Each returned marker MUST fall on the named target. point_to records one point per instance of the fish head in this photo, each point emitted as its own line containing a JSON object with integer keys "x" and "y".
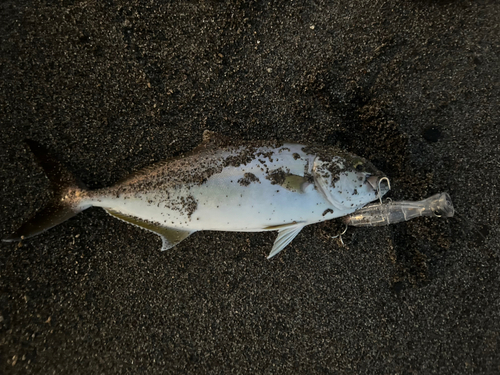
{"x": 348, "y": 181}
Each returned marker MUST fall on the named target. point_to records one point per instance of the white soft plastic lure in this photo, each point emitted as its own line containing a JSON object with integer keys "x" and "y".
{"x": 222, "y": 186}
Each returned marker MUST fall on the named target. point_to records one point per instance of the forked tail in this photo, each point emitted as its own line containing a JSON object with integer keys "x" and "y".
{"x": 68, "y": 192}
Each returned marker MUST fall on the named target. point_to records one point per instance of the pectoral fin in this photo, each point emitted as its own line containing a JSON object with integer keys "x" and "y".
{"x": 289, "y": 181}
{"x": 296, "y": 183}
{"x": 170, "y": 236}
{"x": 285, "y": 236}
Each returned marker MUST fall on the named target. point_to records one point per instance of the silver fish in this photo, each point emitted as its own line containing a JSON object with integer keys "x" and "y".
{"x": 221, "y": 186}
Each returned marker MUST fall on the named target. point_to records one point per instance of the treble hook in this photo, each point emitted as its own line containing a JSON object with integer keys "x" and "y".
{"x": 341, "y": 234}
{"x": 388, "y": 185}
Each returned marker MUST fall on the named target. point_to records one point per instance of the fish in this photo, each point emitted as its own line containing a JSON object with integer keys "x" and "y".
{"x": 221, "y": 185}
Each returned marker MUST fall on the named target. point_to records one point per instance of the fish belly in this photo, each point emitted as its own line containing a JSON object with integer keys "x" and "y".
{"x": 226, "y": 205}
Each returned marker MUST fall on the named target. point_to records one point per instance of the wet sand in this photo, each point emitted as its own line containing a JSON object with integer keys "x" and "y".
{"x": 111, "y": 87}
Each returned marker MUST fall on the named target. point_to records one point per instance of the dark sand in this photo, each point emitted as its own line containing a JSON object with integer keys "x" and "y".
{"x": 110, "y": 87}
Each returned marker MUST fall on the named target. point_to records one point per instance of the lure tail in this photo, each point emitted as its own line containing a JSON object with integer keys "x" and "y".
{"x": 68, "y": 193}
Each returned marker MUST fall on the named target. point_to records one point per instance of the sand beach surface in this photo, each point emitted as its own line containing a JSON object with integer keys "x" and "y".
{"x": 113, "y": 86}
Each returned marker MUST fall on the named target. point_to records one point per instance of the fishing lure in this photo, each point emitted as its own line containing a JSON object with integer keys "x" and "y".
{"x": 377, "y": 214}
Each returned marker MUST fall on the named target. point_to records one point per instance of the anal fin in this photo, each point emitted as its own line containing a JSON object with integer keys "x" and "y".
{"x": 285, "y": 236}
{"x": 170, "y": 236}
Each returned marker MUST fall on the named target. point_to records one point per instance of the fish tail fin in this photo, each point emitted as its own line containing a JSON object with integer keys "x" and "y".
{"x": 66, "y": 203}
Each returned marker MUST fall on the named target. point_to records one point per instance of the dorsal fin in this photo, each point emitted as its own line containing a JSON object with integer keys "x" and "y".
{"x": 170, "y": 236}
{"x": 211, "y": 138}
{"x": 207, "y": 136}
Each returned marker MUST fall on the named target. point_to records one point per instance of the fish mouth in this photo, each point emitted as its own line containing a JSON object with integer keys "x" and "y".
{"x": 380, "y": 184}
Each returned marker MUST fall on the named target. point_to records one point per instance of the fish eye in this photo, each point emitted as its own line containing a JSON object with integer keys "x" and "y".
{"x": 358, "y": 165}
